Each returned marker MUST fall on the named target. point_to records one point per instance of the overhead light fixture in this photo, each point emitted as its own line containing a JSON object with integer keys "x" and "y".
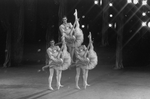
{"x": 129, "y": 1}
{"x": 110, "y": 25}
{"x": 144, "y": 2}
{"x": 135, "y": 1}
{"x": 110, "y": 4}
{"x": 143, "y": 24}
{"x": 148, "y": 24}
{"x": 96, "y": 2}
{"x": 144, "y": 14}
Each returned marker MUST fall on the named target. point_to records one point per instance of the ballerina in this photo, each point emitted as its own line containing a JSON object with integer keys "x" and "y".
{"x": 86, "y": 60}
{"x": 72, "y": 33}
{"x": 66, "y": 29}
{"x": 59, "y": 60}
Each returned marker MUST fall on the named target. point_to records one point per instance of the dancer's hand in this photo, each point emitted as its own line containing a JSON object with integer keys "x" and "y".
{"x": 75, "y": 13}
{"x": 74, "y": 37}
{"x": 43, "y": 68}
{"x": 89, "y": 35}
{"x": 63, "y": 38}
{"x": 88, "y": 59}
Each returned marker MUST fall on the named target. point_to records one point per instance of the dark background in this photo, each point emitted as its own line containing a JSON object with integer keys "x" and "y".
{"x": 42, "y": 14}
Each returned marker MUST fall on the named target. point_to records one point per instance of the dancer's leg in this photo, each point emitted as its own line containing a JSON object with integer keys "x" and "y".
{"x": 76, "y": 19}
{"x": 86, "y": 77}
{"x": 51, "y": 70}
{"x": 77, "y": 77}
{"x": 71, "y": 51}
{"x": 60, "y": 73}
{"x": 57, "y": 78}
{"x": 72, "y": 54}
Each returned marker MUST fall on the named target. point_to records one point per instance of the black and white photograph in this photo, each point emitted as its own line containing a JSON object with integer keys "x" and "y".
{"x": 74, "y": 49}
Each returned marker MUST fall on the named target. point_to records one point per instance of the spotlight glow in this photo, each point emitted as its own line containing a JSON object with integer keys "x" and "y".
{"x": 144, "y": 2}
{"x": 96, "y": 2}
{"x": 115, "y": 25}
{"x": 111, "y": 15}
{"x": 101, "y": 2}
{"x": 83, "y": 26}
{"x": 135, "y": 1}
{"x": 129, "y": 1}
{"x": 144, "y": 14}
{"x": 83, "y": 16}
{"x": 148, "y": 24}
{"x": 143, "y": 24}
{"x": 110, "y": 4}
{"x": 38, "y": 50}
{"x": 110, "y": 25}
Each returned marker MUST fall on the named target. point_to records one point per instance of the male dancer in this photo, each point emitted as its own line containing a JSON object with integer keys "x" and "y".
{"x": 55, "y": 61}
{"x": 66, "y": 29}
{"x": 86, "y": 60}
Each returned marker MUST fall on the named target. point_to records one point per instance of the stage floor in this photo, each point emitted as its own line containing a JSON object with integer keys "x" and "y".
{"x": 28, "y": 82}
{"x": 106, "y": 83}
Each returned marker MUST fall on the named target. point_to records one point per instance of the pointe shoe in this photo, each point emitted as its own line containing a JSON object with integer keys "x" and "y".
{"x": 43, "y": 69}
{"x": 61, "y": 85}
{"x": 51, "y": 88}
{"x": 77, "y": 87}
{"x": 86, "y": 85}
{"x": 75, "y": 13}
{"x": 58, "y": 87}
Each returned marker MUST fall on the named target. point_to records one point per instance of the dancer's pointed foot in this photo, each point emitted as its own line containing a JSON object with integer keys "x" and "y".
{"x": 58, "y": 87}
{"x": 77, "y": 87}
{"x": 43, "y": 68}
{"x": 51, "y": 88}
{"x": 75, "y": 13}
{"x": 61, "y": 85}
{"x": 86, "y": 85}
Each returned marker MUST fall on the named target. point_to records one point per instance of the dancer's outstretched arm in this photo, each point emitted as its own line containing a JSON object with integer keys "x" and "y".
{"x": 49, "y": 52}
{"x": 76, "y": 23}
{"x": 80, "y": 57}
{"x": 90, "y": 42}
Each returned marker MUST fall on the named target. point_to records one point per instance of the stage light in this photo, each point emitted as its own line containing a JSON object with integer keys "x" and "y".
{"x": 6, "y": 50}
{"x": 135, "y": 1}
{"x": 110, "y": 25}
{"x": 143, "y": 24}
{"x": 129, "y": 1}
{"x": 101, "y": 2}
{"x": 39, "y": 61}
{"x": 148, "y": 24}
{"x": 96, "y": 2}
{"x": 111, "y": 15}
{"x": 144, "y": 2}
{"x": 83, "y": 26}
{"x": 38, "y": 50}
{"x": 144, "y": 14}
{"x": 83, "y": 16}
{"x": 115, "y": 25}
{"x": 110, "y": 4}
{"x": 130, "y": 31}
